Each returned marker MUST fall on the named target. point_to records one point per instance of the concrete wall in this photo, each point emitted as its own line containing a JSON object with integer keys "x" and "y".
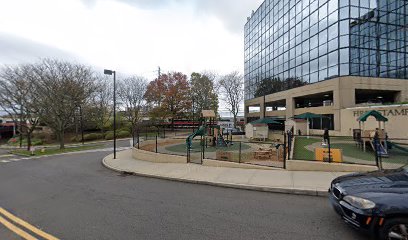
{"x": 295, "y": 165}
{"x": 157, "y": 157}
{"x": 396, "y": 127}
{"x": 215, "y": 163}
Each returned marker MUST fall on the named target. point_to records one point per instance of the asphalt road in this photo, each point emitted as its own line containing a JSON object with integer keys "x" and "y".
{"x": 75, "y": 197}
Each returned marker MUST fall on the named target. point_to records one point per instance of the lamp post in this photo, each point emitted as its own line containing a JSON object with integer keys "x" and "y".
{"x": 110, "y": 72}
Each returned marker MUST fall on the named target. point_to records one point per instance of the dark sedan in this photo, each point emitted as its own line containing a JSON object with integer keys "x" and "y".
{"x": 376, "y": 202}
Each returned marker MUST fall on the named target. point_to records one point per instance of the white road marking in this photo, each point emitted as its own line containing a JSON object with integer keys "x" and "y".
{"x": 68, "y": 153}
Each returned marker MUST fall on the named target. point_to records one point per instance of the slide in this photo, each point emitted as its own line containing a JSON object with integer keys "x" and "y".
{"x": 381, "y": 151}
{"x": 221, "y": 141}
{"x": 200, "y": 132}
{"x": 391, "y": 144}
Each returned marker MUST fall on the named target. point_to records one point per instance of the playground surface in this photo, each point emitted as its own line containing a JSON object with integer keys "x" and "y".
{"x": 304, "y": 149}
{"x": 257, "y": 153}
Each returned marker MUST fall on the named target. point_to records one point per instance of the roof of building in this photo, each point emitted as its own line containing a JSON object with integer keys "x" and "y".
{"x": 378, "y": 116}
{"x": 208, "y": 113}
{"x": 265, "y": 121}
{"x": 308, "y": 115}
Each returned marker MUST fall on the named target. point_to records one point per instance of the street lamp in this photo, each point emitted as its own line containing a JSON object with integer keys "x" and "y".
{"x": 110, "y": 72}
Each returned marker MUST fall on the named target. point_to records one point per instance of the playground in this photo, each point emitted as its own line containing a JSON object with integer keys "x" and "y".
{"x": 361, "y": 148}
{"x": 209, "y": 142}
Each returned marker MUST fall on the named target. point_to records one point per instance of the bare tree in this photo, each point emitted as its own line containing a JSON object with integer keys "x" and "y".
{"x": 102, "y": 101}
{"x": 231, "y": 89}
{"x": 59, "y": 89}
{"x": 131, "y": 93}
{"x": 17, "y": 100}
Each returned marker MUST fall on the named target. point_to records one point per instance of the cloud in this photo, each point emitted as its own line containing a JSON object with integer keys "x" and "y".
{"x": 232, "y": 13}
{"x": 16, "y": 49}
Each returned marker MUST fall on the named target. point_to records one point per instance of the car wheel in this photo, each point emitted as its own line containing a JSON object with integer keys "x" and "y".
{"x": 395, "y": 229}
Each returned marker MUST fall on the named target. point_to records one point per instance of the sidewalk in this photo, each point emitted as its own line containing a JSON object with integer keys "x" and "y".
{"x": 281, "y": 181}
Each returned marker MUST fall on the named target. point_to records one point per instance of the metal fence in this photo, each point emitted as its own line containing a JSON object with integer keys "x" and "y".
{"x": 268, "y": 154}
{"x": 150, "y": 132}
{"x": 383, "y": 153}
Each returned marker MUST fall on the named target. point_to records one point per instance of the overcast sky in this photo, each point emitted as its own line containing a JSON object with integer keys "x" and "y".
{"x": 130, "y": 36}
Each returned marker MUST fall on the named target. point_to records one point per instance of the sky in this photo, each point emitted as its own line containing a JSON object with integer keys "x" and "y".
{"x": 129, "y": 36}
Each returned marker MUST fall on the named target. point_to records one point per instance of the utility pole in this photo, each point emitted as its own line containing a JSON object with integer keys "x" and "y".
{"x": 159, "y": 72}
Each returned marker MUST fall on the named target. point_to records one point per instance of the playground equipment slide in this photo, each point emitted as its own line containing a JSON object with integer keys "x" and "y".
{"x": 397, "y": 146}
{"x": 381, "y": 150}
{"x": 221, "y": 142}
{"x": 200, "y": 132}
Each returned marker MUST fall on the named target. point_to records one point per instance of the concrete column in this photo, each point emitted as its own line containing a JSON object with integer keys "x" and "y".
{"x": 402, "y": 96}
{"x": 344, "y": 96}
{"x": 337, "y": 120}
{"x": 290, "y": 107}
{"x": 262, "y": 109}
{"x": 246, "y": 112}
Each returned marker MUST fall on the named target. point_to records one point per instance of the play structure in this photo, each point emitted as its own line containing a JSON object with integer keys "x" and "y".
{"x": 375, "y": 138}
{"x": 208, "y": 131}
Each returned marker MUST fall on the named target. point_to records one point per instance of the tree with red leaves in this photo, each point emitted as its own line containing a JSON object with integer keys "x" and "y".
{"x": 169, "y": 96}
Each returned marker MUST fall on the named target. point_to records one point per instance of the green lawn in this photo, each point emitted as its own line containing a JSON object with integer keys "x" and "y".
{"x": 349, "y": 149}
{"x": 52, "y": 151}
{"x": 181, "y": 148}
{"x": 300, "y": 152}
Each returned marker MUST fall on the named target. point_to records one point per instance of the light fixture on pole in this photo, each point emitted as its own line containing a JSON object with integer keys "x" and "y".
{"x": 110, "y": 72}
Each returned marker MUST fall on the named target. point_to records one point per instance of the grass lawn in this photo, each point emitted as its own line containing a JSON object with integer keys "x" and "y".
{"x": 300, "y": 152}
{"x": 52, "y": 151}
{"x": 348, "y": 150}
{"x": 351, "y": 150}
{"x": 181, "y": 148}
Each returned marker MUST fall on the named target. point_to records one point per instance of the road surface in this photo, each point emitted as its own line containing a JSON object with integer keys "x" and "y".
{"x": 75, "y": 197}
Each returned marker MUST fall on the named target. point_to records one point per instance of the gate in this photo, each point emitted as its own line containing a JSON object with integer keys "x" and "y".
{"x": 195, "y": 152}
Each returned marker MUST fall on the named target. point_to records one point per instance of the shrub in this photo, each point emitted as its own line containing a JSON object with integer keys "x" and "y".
{"x": 108, "y": 132}
{"x": 109, "y": 136}
{"x": 74, "y": 139}
{"x": 119, "y": 134}
{"x": 36, "y": 142}
{"x": 123, "y": 134}
{"x": 12, "y": 140}
{"x": 92, "y": 136}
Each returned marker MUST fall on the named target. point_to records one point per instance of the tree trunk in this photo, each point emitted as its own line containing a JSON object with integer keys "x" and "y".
{"x": 28, "y": 140}
{"x": 133, "y": 135}
{"x": 76, "y": 128}
{"x": 172, "y": 123}
{"x": 20, "y": 137}
{"x": 61, "y": 139}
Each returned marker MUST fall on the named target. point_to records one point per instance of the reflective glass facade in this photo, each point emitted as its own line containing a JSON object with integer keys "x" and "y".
{"x": 298, "y": 42}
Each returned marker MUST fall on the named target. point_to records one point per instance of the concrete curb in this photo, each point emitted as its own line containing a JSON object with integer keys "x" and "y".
{"x": 307, "y": 192}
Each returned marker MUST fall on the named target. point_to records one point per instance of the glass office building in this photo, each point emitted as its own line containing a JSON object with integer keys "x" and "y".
{"x": 298, "y": 42}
